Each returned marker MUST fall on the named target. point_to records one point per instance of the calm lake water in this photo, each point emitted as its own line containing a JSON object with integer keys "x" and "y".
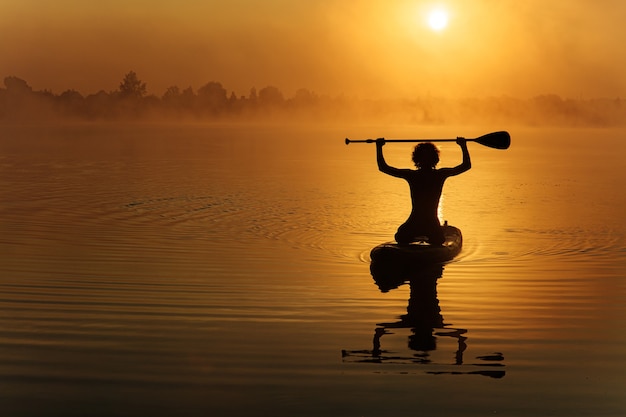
{"x": 224, "y": 271}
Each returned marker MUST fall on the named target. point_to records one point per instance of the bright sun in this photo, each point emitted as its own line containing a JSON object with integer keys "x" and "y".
{"x": 438, "y": 19}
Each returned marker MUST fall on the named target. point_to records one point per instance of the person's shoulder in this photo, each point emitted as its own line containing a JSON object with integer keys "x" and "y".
{"x": 444, "y": 171}
{"x": 407, "y": 172}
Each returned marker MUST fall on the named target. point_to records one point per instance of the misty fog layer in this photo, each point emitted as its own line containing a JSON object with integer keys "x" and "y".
{"x": 213, "y": 102}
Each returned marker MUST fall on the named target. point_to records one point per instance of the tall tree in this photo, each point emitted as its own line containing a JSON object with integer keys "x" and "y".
{"x": 132, "y": 86}
{"x": 17, "y": 86}
{"x": 271, "y": 96}
{"x": 213, "y": 96}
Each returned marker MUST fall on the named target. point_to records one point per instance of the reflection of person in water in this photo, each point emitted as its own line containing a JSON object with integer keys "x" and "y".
{"x": 424, "y": 319}
{"x": 423, "y": 314}
{"x": 426, "y": 184}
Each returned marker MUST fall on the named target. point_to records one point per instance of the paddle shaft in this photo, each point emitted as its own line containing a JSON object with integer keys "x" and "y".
{"x": 496, "y": 140}
{"x": 348, "y": 141}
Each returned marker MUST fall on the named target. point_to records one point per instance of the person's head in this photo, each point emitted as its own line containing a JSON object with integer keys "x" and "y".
{"x": 425, "y": 155}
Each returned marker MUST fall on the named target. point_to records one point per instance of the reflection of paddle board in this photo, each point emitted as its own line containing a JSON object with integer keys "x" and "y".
{"x": 419, "y": 253}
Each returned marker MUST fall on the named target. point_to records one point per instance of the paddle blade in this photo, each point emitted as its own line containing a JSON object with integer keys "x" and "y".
{"x": 496, "y": 140}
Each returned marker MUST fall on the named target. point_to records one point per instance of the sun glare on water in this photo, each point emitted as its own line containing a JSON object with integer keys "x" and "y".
{"x": 438, "y": 19}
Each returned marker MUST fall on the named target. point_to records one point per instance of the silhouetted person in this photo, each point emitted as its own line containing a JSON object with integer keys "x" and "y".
{"x": 426, "y": 184}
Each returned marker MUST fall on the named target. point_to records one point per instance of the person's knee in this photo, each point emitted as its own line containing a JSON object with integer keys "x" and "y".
{"x": 402, "y": 236}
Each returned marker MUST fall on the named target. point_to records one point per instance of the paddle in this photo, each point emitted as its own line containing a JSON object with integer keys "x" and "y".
{"x": 496, "y": 140}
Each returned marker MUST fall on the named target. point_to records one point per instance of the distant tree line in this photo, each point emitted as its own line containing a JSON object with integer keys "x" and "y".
{"x": 212, "y": 102}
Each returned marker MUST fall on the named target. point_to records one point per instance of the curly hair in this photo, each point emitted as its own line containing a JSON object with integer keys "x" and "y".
{"x": 425, "y": 155}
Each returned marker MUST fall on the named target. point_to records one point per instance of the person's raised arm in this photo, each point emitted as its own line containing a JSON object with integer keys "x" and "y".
{"x": 467, "y": 162}
{"x": 382, "y": 164}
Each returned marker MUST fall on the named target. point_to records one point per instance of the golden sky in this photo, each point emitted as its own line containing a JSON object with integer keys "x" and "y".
{"x": 367, "y": 48}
